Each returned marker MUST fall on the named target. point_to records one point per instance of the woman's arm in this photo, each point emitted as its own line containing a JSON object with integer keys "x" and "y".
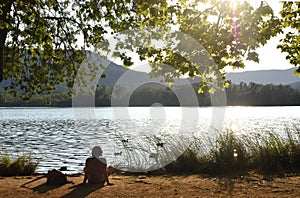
{"x": 106, "y": 176}
{"x": 85, "y": 175}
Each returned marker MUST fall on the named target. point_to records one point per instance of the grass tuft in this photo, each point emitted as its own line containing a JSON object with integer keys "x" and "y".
{"x": 23, "y": 165}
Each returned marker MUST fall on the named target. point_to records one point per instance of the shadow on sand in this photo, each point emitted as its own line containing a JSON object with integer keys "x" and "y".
{"x": 83, "y": 190}
{"x": 80, "y": 190}
{"x": 43, "y": 188}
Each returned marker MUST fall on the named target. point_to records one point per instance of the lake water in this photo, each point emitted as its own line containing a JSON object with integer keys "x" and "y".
{"x": 133, "y": 138}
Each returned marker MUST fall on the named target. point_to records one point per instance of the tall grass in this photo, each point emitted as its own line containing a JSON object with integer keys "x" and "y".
{"x": 190, "y": 162}
{"x": 229, "y": 155}
{"x": 234, "y": 155}
{"x": 277, "y": 154}
{"x": 22, "y": 165}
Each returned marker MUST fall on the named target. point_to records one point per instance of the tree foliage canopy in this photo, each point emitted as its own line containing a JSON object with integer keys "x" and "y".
{"x": 290, "y": 14}
{"x": 42, "y": 42}
{"x": 229, "y": 31}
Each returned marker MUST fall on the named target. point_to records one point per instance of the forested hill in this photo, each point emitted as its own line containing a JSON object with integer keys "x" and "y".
{"x": 276, "y": 77}
{"x": 256, "y": 92}
{"x": 113, "y": 72}
{"x": 251, "y": 94}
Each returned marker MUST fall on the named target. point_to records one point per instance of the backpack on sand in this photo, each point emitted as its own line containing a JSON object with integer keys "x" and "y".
{"x": 55, "y": 177}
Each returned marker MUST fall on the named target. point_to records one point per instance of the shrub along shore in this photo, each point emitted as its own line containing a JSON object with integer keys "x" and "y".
{"x": 21, "y": 166}
{"x": 229, "y": 155}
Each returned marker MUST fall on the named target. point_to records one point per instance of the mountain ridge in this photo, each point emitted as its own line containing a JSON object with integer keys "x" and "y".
{"x": 114, "y": 72}
{"x": 276, "y": 77}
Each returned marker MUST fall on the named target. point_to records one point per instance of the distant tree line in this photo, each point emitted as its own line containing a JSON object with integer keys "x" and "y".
{"x": 242, "y": 94}
{"x": 253, "y": 94}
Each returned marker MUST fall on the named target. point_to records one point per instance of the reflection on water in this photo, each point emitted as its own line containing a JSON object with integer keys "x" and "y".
{"x": 141, "y": 137}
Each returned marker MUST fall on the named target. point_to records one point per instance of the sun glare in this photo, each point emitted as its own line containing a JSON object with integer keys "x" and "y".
{"x": 234, "y": 3}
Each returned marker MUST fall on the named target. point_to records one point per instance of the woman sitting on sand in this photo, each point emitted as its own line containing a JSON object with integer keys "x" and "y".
{"x": 95, "y": 170}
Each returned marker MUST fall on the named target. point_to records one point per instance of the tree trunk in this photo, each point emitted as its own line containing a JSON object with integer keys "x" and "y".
{"x": 1, "y": 54}
{"x": 3, "y": 34}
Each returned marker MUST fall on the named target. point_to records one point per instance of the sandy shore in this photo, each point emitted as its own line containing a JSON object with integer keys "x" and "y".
{"x": 155, "y": 186}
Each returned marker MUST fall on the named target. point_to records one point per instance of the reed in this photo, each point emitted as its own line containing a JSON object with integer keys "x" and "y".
{"x": 235, "y": 155}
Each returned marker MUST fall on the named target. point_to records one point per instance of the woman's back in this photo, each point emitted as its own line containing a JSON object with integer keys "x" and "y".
{"x": 95, "y": 170}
